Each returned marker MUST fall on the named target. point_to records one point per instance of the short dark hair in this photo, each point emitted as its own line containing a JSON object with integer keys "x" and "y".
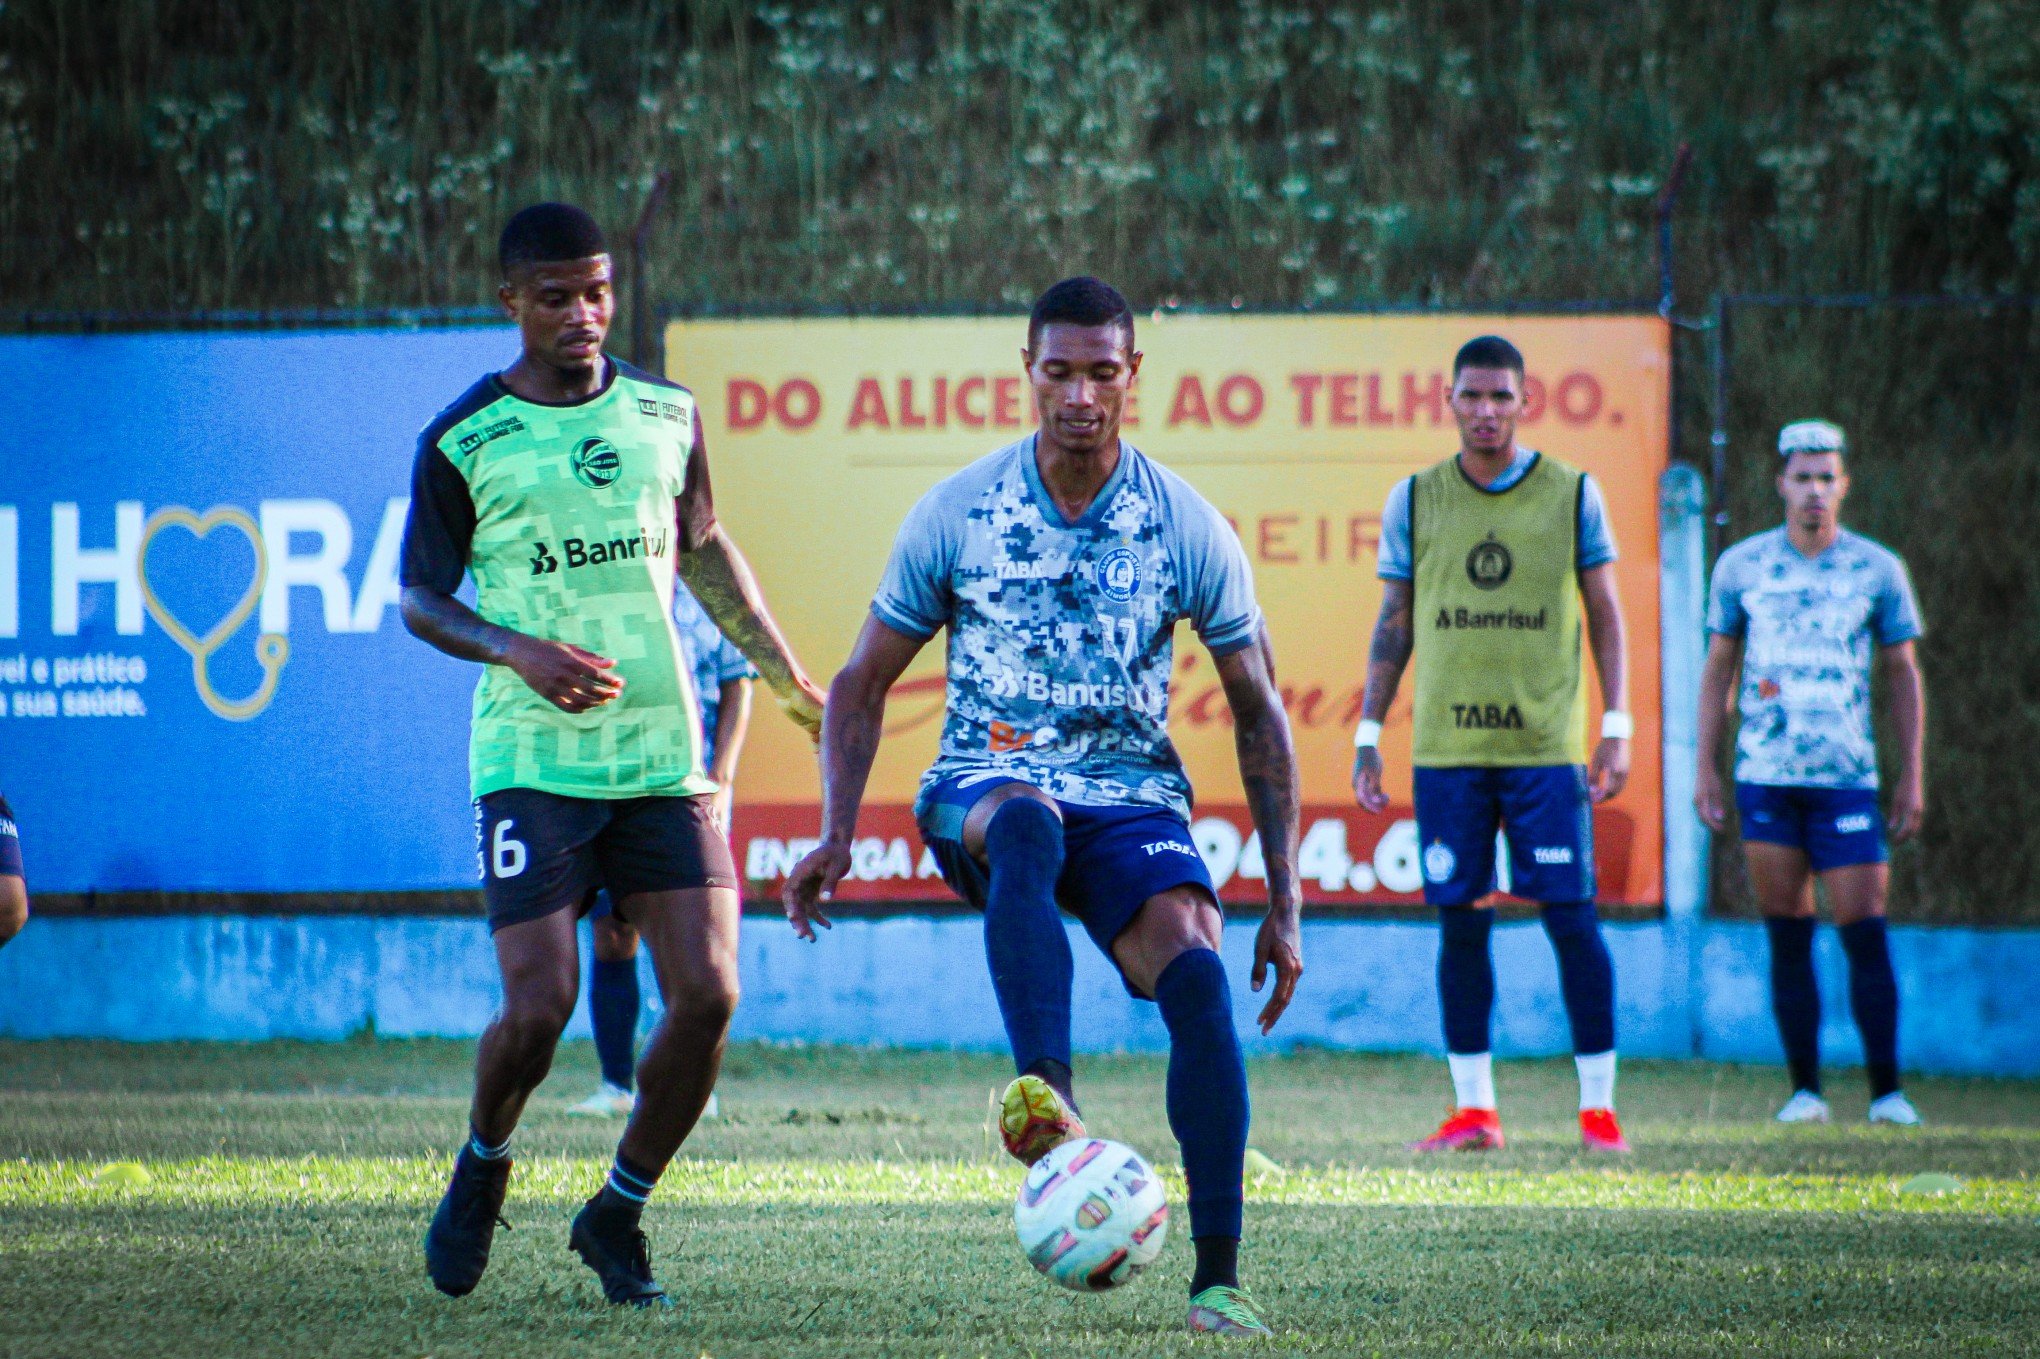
{"x": 1080, "y": 301}
{"x": 547, "y": 233}
{"x": 1488, "y": 351}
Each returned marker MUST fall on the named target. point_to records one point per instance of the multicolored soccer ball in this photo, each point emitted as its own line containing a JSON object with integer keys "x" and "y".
{"x": 1091, "y": 1214}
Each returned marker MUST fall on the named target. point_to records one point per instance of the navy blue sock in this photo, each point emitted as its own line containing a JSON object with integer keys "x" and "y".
{"x": 1795, "y": 997}
{"x": 1873, "y": 997}
{"x": 613, "y": 1003}
{"x": 1466, "y": 977}
{"x": 1586, "y": 974}
{"x": 1029, "y": 953}
{"x": 1207, "y": 1090}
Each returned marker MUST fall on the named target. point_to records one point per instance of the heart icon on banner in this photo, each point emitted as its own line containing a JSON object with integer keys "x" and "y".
{"x": 271, "y": 649}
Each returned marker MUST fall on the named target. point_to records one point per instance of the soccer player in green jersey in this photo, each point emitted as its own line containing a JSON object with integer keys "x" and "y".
{"x": 574, "y": 489}
{"x": 1491, "y": 562}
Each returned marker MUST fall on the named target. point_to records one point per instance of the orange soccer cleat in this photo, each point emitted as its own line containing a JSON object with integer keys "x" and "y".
{"x": 1465, "y": 1130}
{"x": 1600, "y": 1132}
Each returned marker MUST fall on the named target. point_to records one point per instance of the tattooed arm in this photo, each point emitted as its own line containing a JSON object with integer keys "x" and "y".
{"x": 721, "y": 579}
{"x": 854, "y": 720}
{"x": 1267, "y": 758}
{"x": 1394, "y": 637}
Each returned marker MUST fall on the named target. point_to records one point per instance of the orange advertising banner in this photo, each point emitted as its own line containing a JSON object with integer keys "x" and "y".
{"x": 823, "y": 433}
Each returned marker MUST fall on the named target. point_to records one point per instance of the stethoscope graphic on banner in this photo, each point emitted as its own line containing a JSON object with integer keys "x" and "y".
{"x": 272, "y": 649}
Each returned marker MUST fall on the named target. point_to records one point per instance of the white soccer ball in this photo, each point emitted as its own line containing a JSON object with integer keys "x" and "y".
{"x": 1091, "y": 1214}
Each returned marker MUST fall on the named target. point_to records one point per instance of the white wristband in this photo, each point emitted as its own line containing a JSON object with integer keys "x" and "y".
{"x": 1617, "y": 726}
{"x": 1368, "y": 733}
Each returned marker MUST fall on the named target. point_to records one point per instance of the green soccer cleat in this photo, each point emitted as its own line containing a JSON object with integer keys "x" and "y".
{"x": 1034, "y": 1120}
{"x": 1224, "y": 1310}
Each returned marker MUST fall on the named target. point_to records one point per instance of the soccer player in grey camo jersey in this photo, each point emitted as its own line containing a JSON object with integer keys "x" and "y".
{"x": 1060, "y": 566}
{"x": 1803, "y": 612}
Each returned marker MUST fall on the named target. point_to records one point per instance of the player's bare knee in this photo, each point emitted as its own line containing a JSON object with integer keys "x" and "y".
{"x": 615, "y": 941}
{"x": 1008, "y": 796}
{"x": 13, "y": 907}
{"x": 704, "y": 1005}
{"x": 536, "y": 1014}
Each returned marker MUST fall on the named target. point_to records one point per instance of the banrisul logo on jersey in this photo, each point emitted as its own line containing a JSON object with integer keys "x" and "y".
{"x": 596, "y": 463}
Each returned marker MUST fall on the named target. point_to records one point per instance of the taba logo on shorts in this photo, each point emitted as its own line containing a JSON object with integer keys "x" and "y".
{"x": 1154, "y": 847}
{"x": 1489, "y": 564}
{"x": 1854, "y": 824}
{"x": 1119, "y": 574}
{"x": 1552, "y": 856}
{"x": 1439, "y": 862}
{"x": 596, "y": 463}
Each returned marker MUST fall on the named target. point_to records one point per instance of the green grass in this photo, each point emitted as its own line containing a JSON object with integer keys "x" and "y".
{"x": 850, "y": 1202}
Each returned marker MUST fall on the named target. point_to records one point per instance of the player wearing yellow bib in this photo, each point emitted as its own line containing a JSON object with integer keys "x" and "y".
{"x": 1490, "y": 561}
{"x": 574, "y": 489}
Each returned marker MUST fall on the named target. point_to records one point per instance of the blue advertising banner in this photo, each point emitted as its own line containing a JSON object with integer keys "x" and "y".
{"x": 204, "y": 682}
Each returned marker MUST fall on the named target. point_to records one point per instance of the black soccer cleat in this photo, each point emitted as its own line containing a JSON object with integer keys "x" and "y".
{"x": 457, "y": 1242}
{"x": 614, "y": 1246}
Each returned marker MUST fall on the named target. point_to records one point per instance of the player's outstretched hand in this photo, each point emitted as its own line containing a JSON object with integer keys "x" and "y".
{"x": 804, "y": 706}
{"x": 1908, "y": 809}
{"x": 1367, "y": 790}
{"x": 568, "y": 677}
{"x": 812, "y": 882}
{"x": 1610, "y": 769}
{"x": 1279, "y": 942}
{"x": 1709, "y": 799}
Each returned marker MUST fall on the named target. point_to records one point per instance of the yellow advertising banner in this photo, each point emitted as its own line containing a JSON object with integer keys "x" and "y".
{"x": 823, "y": 433}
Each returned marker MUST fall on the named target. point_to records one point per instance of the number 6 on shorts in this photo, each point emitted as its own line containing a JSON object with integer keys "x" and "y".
{"x": 507, "y": 857}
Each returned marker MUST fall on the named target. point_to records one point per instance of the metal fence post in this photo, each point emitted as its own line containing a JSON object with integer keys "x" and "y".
{"x": 1682, "y": 590}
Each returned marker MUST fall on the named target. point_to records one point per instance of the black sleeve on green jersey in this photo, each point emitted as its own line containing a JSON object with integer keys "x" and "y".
{"x": 441, "y": 524}
{"x": 695, "y": 510}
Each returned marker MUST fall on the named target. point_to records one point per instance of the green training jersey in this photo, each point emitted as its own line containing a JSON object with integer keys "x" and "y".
{"x": 570, "y": 518}
{"x": 1496, "y": 606}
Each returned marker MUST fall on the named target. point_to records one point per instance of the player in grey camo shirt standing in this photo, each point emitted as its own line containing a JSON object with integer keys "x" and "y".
{"x": 1801, "y": 611}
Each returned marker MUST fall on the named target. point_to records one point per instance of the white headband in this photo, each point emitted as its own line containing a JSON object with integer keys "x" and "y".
{"x": 1810, "y": 436}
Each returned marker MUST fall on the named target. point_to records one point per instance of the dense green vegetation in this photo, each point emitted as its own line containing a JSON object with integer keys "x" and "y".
{"x": 849, "y": 1204}
{"x": 948, "y": 154}
{"x": 217, "y": 153}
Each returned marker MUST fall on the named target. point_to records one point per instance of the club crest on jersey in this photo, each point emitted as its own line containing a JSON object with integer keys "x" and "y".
{"x": 595, "y": 463}
{"x": 1489, "y": 564}
{"x": 1119, "y": 574}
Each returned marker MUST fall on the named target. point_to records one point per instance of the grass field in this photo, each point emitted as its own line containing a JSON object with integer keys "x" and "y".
{"x": 850, "y": 1203}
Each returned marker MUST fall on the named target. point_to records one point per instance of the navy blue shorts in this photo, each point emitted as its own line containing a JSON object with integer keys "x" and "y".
{"x": 10, "y": 842}
{"x": 1836, "y": 827}
{"x": 1114, "y": 858}
{"x": 1543, "y": 809}
{"x": 544, "y": 852}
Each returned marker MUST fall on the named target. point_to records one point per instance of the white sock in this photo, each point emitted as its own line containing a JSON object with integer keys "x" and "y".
{"x": 1473, "y": 1079}
{"x": 1597, "y": 1079}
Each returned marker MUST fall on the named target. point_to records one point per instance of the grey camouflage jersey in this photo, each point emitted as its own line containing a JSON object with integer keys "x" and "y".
{"x": 1061, "y": 635}
{"x": 1808, "y": 626}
